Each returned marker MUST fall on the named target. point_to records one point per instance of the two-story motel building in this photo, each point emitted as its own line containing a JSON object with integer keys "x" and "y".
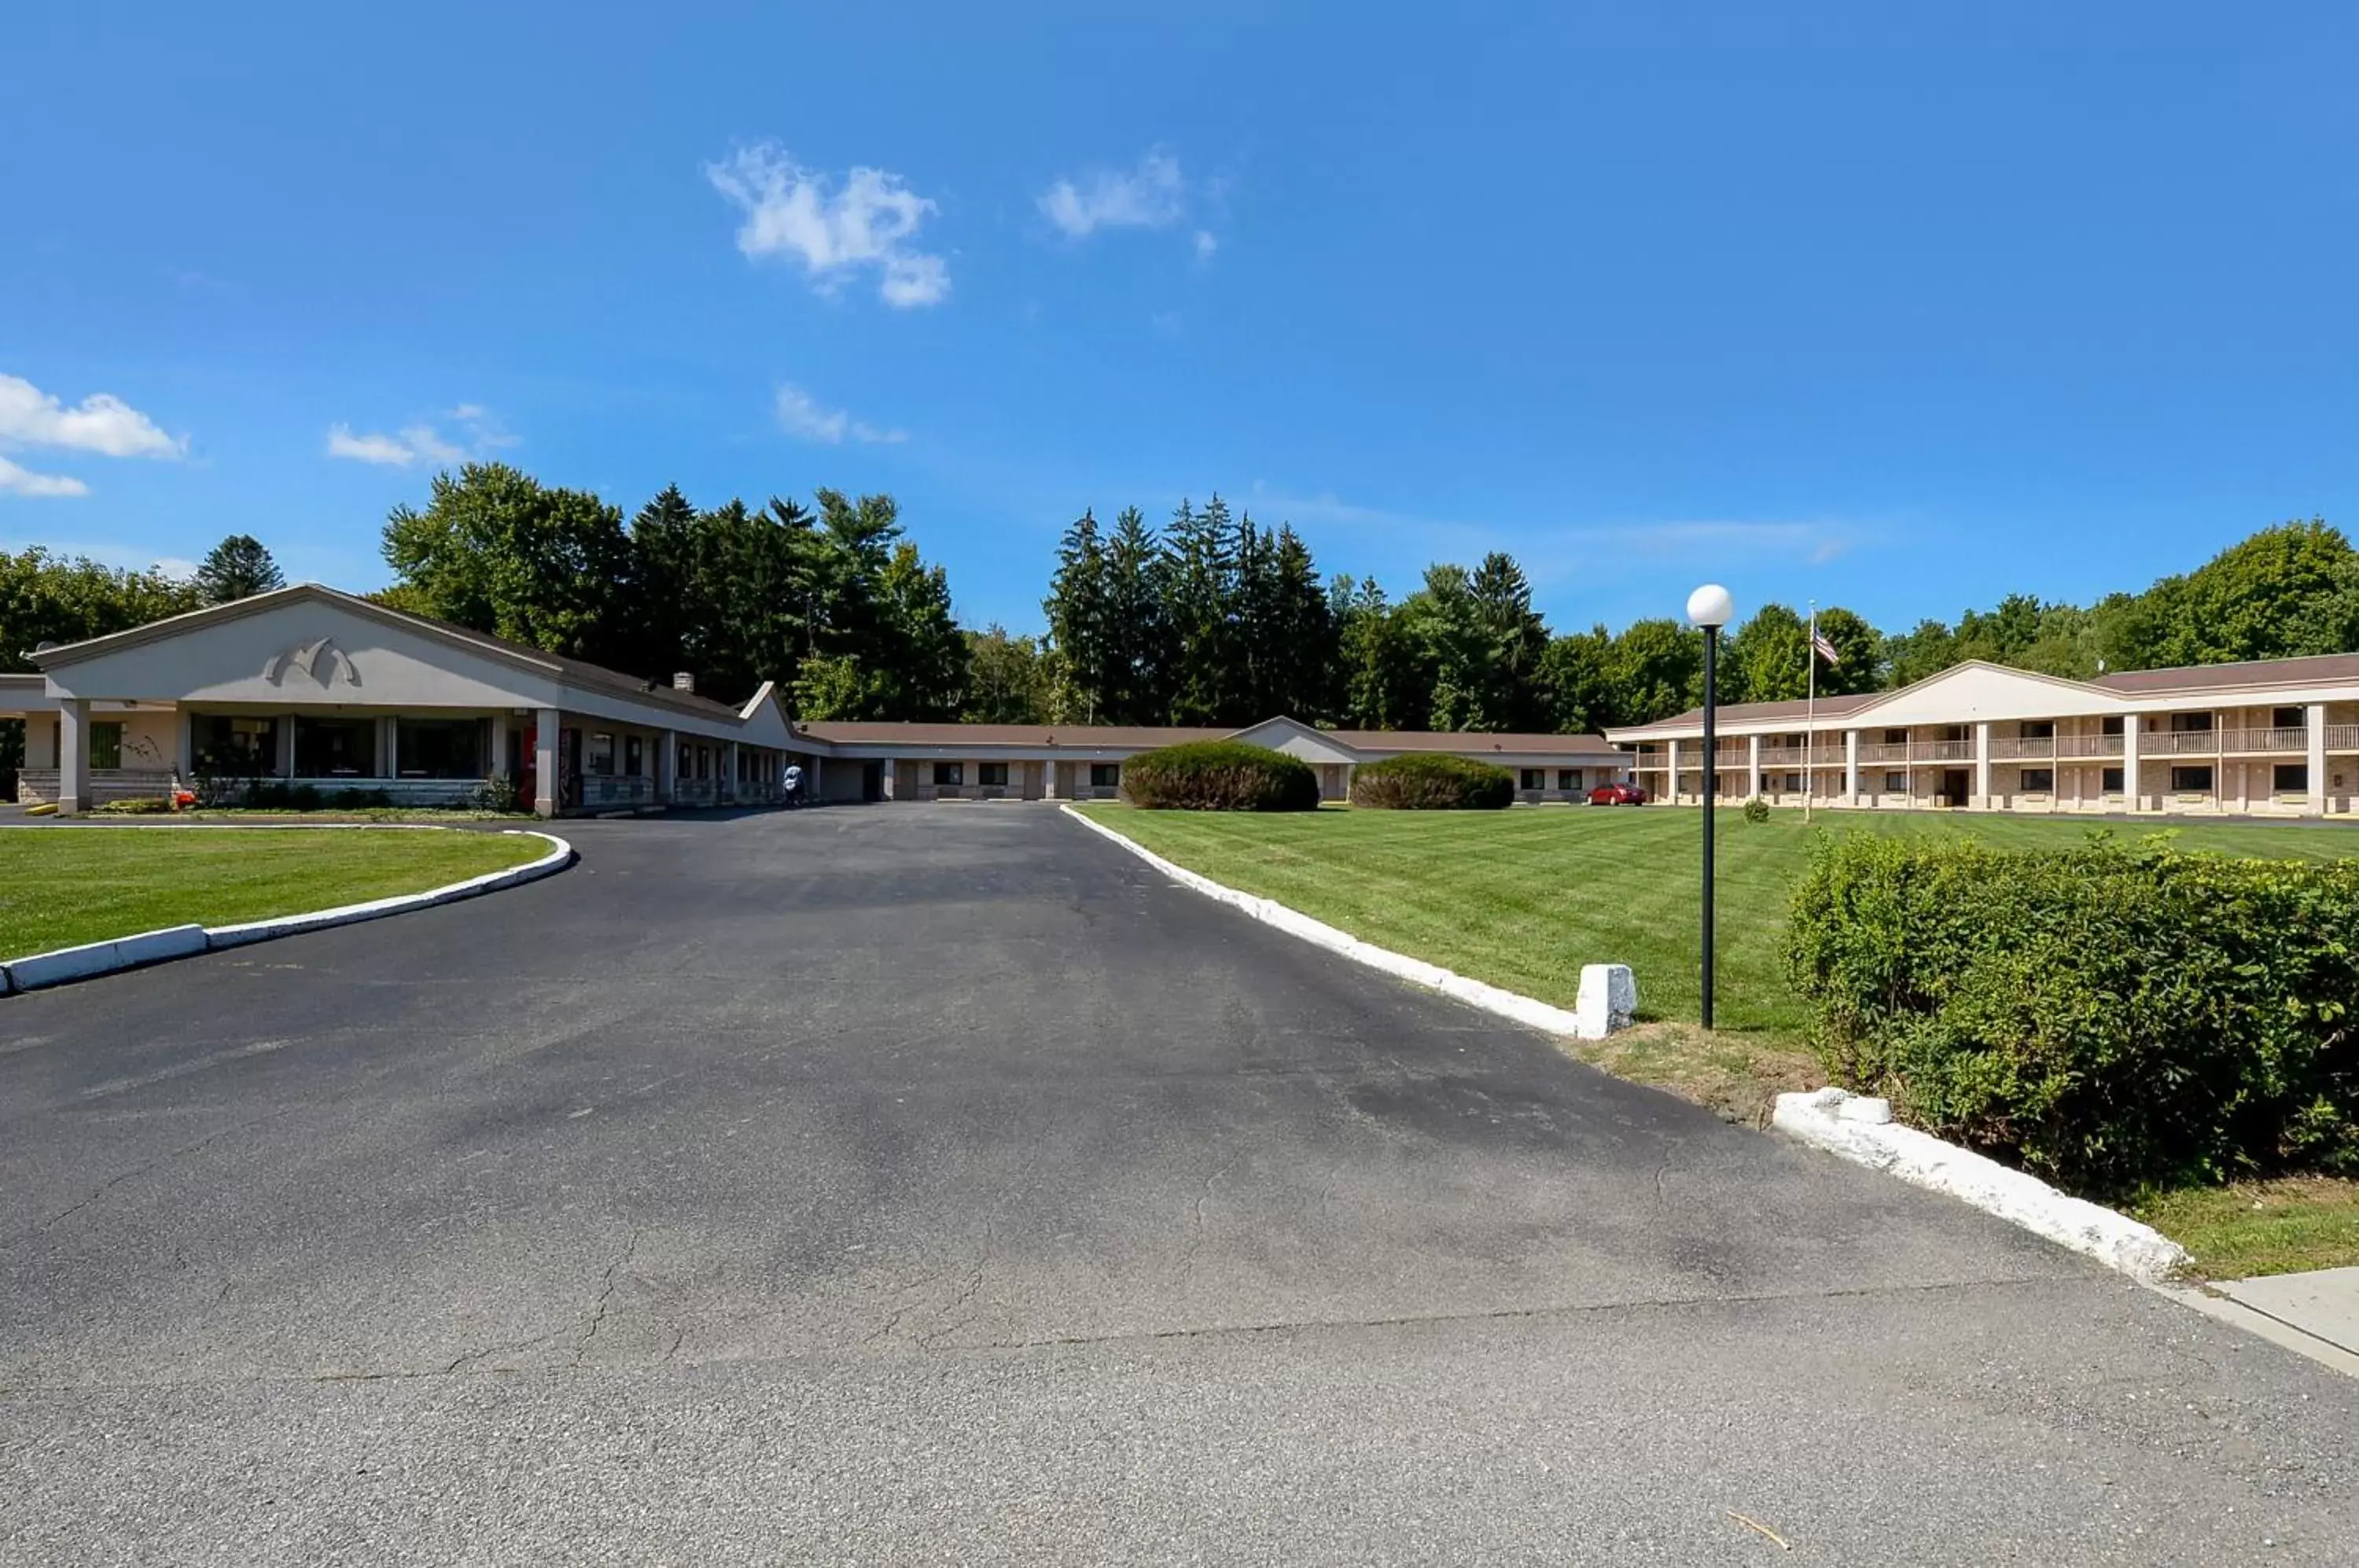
{"x": 2275, "y": 737}
{"x": 355, "y": 702}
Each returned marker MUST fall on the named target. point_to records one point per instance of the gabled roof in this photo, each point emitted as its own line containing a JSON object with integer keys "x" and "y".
{"x": 573, "y": 671}
{"x": 1141, "y": 736}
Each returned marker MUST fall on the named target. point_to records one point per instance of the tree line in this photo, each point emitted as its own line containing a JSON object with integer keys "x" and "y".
{"x": 1211, "y": 619}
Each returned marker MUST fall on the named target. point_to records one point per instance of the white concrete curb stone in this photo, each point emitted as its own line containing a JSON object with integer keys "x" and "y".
{"x": 98, "y": 958}
{"x": 1861, "y": 1129}
{"x": 104, "y": 957}
{"x": 1526, "y": 1010}
{"x": 1607, "y": 1001}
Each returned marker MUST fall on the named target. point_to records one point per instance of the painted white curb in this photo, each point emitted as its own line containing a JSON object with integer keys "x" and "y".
{"x": 104, "y": 957}
{"x": 183, "y": 942}
{"x": 1845, "y": 1124}
{"x": 1525, "y": 1010}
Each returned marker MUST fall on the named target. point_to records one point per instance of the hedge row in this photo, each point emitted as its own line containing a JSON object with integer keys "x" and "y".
{"x": 1435, "y": 782}
{"x": 1220, "y": 776}
{"x": 2106, "y": 1017}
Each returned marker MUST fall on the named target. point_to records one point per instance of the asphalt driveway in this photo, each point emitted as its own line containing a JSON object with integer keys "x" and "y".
{"x": 940, "y": 1185}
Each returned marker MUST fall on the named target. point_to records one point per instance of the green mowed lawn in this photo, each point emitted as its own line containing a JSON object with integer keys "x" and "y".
{"x": 63, "y": 886}
{"x": 1524, "y": 898}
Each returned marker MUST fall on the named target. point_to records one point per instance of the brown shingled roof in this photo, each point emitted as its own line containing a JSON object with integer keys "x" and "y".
{"x": 2324, "y": 667}
{"x": 1829, "y": 707}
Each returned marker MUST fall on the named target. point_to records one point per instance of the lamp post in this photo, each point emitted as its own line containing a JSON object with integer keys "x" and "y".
{"x": 1709, "y": 609}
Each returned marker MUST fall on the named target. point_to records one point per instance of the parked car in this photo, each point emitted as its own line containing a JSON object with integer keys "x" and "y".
{"x": 1617, "y": 795}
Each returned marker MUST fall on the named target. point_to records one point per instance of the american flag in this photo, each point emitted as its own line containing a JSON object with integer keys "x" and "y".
{"x": 1826, "y": 649}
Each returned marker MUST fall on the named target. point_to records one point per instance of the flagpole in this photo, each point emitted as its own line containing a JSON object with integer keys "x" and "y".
{"x": 1810, "y": 719}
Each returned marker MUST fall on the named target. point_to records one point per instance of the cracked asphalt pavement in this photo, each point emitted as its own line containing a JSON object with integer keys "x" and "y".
{"x": 939, "y": 1185}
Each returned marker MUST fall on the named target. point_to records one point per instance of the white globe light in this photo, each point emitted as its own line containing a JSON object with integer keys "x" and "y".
{"x": 1710, "y": 605}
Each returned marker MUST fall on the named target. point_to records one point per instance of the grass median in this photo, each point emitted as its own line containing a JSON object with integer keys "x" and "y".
{"x": 1523, "y": 899}
{"x": 61, "y": 887}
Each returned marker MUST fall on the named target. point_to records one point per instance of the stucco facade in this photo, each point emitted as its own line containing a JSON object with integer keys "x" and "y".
{"x": 2277, "y": 738}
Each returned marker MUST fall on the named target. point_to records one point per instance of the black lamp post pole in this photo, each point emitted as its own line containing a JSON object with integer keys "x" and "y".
{"x": 1710, "y": 788}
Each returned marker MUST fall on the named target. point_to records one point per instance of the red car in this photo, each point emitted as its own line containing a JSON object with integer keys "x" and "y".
{"x": 1617, "y": 795}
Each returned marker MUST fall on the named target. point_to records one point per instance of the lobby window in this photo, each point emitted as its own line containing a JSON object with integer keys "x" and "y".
{"x": 107, "y": 745}
{"x": 682, "y": 766}
{"x": 234, "y": 749}
{"x": 2290, "y": 778}
{"x": 1568, "y": 778}
{"x": 2039, "y": 780}
{"x": 335, "y": 748}
{"x": 439, "y": 748}
{"x": 1535, "y": 777}
{"x": 949, "y": 774}
{"x": 2110, "y": 780}
{"x": 1106, "y": 775}
{"x": 2190, "y": 779}
{"x": 602, "y": 755}
{"x": 634, "y": 754}
{"x": 1895, "y": 783}
{"x": 991, "y": 775}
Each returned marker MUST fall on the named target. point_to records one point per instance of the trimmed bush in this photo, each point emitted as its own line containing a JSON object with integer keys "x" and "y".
{"x": 2108, "y": 1018}
{"x": 1756, "y": 810}
{"x": 1432, "y": 782}
{"x": 1219, "y": 776}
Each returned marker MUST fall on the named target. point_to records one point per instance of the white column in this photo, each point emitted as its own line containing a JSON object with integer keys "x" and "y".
{"x": 73, "y": 756}
{"x": 1982, "y": 767}
{"x": 2132, "y": 798}
{"x": 389, "y": 747}
{"x": 728, "y": 790}
{"x": 495, "y": 745}
{"x": 1048, "y": 779}
{"x": 286, "y": 745}
{"x": 544, "y": 762}
{"x": 893, "y": 777}
{"x": 2314, "y": 748}
{"x": 667, "y": 764}
{"x": 1752, "y": 765}
{"x": 1851, "y": 768}
{"x": 1671, "y": 771}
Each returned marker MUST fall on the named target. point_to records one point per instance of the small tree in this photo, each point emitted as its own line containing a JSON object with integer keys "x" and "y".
{"x": 238, "y": 568}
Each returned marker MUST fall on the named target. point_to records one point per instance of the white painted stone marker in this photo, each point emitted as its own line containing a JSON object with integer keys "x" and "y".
{"x": 1608, "y": 1000}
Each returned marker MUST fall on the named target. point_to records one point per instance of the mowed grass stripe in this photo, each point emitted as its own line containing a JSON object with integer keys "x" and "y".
{"x": 61, "y": 887}
{"x": 1523, "y": 899}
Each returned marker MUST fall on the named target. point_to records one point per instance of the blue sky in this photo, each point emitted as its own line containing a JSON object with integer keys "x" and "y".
{"x": 1899, "y": 311}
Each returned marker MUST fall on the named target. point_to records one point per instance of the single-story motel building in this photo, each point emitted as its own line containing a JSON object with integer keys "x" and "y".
{"x": 310, "y": 687}
{"x": 2270, "y": 738}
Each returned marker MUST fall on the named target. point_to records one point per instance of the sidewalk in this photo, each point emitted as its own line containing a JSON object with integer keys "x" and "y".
{"x": 2316, "y": 1314}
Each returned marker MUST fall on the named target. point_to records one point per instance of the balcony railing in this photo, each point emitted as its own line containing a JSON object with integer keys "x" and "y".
{"x": 2088, "y": 746}
{"x": 2005, "y": 747}
{"x": 2182, "y": 743}
{"x": 2295, "y": 739}
{"x": 2343, "y": 737}
{"x": 1884, "y": 751}
{"x": 1941, "y": 751}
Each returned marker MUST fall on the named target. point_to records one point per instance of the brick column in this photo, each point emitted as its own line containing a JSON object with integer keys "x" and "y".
{"x": 545, "y": 784}
{"x": 2314, "y": 748}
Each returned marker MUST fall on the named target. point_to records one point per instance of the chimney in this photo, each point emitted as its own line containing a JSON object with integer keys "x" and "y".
{"x": 684, "y": 682}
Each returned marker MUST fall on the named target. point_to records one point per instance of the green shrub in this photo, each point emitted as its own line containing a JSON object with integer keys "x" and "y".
{"x": 1756, "y": 810}
{"x": 2108, "y": 1018}
{"x": 499, "y": 793}
{"x": 1432, "y": 783}
{"x": 1220, "y": 776}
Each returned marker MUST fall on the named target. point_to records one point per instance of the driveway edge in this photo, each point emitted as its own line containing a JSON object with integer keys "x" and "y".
{"x": 40, "y": 970}
{"x": 1917, "y": 1158}
{"x": 1920, "y": 1159}
{"x": 1526, "y": 1010}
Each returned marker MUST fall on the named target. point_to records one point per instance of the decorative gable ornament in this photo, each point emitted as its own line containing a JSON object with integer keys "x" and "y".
{"x": 323, "y": 661}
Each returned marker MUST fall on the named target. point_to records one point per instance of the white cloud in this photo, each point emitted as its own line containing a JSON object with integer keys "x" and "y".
{"x": 802, "y": 416}
{"x": 15, "y": 481}
{"x": 793, "y": 213}
{"x": 422, "y": 442}
{"x": 1152, "y": 196}
{"x": 100, "y": 422}
{"x": 1206, "y": 244}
